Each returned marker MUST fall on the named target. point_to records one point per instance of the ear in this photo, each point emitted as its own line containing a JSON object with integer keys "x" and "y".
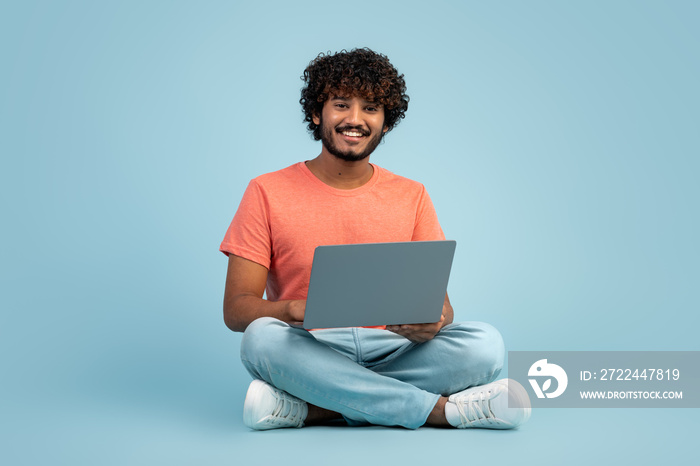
{"x": 316, "y": 119}
{"x": 386, "y": 128}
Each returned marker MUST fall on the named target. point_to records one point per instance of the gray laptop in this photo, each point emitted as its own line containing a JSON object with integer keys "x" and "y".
{"x": 359, "y": 285}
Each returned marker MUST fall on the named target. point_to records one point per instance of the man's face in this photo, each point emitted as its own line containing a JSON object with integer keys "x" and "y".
{"x": 351, "y": 127}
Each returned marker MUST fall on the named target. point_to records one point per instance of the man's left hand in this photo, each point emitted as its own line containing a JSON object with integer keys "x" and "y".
{"x": 418, "y": 333}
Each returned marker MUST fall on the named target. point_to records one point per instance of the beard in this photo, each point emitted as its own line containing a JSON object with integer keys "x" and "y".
{"x": 349, "y": 155}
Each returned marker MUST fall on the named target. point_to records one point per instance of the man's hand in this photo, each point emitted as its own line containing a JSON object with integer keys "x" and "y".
{"x": 296, "y": 310}
{"x": 243, "y": 297}
{"x": 420, "y": 333}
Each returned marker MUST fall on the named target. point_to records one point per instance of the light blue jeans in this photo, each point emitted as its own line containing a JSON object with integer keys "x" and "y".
{"x": 370, "y": 375}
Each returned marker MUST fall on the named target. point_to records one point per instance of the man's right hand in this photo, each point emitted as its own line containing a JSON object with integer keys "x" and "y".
{"x": 296, "y": 310}
{"x": 243, "y": 298}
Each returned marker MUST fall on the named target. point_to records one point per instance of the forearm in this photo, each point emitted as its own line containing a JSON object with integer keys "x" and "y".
{"x": 241, "y": 310}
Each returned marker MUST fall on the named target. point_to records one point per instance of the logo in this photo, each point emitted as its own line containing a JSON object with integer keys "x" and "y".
{"x": 544, "y": 369}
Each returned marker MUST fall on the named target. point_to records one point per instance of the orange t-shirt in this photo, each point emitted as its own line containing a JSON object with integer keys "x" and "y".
{"x": 284, "y": 215}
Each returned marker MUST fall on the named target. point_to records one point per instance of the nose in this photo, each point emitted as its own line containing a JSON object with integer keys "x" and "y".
{"x": 354, "y": 116}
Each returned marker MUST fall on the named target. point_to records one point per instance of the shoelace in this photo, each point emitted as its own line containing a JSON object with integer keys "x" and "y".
{"x": 287, "y": 411}
{"x": 478, "y": 408}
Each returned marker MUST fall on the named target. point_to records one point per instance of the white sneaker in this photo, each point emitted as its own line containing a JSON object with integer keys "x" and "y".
{"x": 267, "y": 407}
{"x": 503, "y": 404}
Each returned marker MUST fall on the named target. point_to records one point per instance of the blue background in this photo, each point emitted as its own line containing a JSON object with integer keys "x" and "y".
{"x": 559, "y": 142}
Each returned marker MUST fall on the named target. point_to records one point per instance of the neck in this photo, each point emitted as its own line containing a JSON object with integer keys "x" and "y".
{"x": 338, "y": 173}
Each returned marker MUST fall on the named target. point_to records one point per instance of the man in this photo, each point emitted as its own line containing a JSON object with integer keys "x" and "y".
{"x": 438, "y": 374}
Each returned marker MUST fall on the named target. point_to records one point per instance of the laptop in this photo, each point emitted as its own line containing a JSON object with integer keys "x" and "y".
{"x": 373, "y": 284}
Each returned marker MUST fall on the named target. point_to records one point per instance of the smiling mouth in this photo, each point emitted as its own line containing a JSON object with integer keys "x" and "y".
{"x": 353, "y": 132}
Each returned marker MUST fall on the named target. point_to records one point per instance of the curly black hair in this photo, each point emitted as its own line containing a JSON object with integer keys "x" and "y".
{"x": 360, "y": 72}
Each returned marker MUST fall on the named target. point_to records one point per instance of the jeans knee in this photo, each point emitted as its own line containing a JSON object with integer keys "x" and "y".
{"x": 485, "y": 347}
{"x": 259, "y": 337}
{"x": 493, "y": 341}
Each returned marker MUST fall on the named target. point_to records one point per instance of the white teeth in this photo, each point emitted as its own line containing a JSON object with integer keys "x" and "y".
{"x": 352, "y": 134}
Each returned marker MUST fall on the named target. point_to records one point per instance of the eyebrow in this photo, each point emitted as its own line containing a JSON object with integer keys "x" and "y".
{"x": 367, "y": 102}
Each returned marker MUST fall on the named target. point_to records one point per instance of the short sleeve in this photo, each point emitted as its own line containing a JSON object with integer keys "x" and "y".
{"x": 248, "y": 235}
{"x": 427, "y": 227}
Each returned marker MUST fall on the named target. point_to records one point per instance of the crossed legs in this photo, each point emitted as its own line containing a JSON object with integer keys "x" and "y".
{"x": 370, "y": 375}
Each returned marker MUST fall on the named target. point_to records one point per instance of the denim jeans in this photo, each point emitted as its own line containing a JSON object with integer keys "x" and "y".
{"x": 370, "y": 375}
